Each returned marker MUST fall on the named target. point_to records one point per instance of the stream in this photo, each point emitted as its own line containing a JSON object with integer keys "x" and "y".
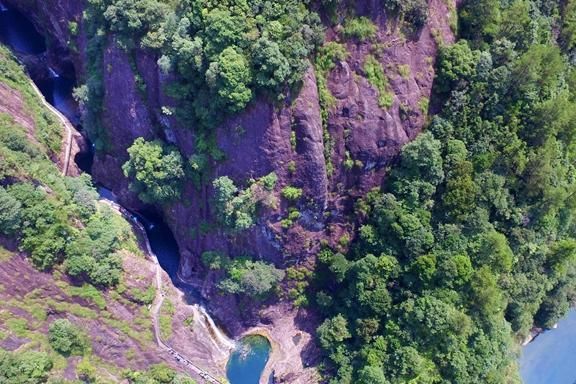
{"x": 249, "y": 355}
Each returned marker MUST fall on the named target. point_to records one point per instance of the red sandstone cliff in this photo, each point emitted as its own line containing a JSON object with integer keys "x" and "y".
{"x": 359, "y": 128}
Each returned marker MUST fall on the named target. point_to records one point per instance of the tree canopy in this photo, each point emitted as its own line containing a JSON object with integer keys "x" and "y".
{"x": 156, "y": 171}
{"x": 470, "y": 242}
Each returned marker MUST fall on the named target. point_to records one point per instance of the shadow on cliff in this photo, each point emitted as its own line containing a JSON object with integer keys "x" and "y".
{"x": 308, "y": 322}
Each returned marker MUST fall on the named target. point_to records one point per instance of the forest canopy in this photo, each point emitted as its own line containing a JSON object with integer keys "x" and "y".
{"x": 471, "y": 240}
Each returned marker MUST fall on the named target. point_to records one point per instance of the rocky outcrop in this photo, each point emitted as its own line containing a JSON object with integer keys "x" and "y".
{"x": 365, "y": 140}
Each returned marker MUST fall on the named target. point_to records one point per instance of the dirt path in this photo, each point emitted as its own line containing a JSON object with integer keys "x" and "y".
{"x": 159, "y": 299}
{"x": 69, "y": 127}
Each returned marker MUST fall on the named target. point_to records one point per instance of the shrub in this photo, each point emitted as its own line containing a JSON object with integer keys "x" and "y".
{"x": 86, "y": 371}
{"x": 253, "y": 278}
{"x": 377, "y": 78}
{"x": 361, "y": 28}
{"x": 215, "y": 260}
{"x": 156, "y": 171}
{"x": 269, "y": 181}
{"x": 81, "y": 94}
{"x": 66, "y": 338}
{"x": 291, "y": 193}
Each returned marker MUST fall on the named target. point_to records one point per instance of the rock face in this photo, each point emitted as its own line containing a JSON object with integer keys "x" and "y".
{"x": 365, "y": 139}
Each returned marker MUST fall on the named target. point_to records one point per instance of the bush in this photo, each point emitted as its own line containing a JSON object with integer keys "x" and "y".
{"x": 377, "y": 78}
{"x": 66, "y": 338}
{"x": 253, "y": 278}
{"x": 86, "y": 371}
{"x": 291, "y": 193}
{"x": 215, "y": 260}
{"x": 416, "y": 12}
{"x": 156, "y": 171}
{"x": 269, "y": 181}
{"x": 361, "y": 28}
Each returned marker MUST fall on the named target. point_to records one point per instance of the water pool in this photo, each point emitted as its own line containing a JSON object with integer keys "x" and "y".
{"x": 549, "y": 359}
{"x": 248, "y": 360}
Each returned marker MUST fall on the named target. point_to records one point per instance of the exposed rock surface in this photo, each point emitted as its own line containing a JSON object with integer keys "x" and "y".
{"x": 257, "y": 142}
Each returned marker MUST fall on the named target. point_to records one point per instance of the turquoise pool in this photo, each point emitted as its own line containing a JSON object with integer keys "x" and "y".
{"x": 248, "y": 360}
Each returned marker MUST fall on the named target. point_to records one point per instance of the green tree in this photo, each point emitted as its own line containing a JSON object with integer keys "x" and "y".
{"x": 156, "y": 171}
{"x": 235, "y": 209}
{"x": 420, "y": 170}
{"x": 253, "y": 278}
{"x": 371, "y": 375}
{"x": 333, "y": 331}
{"x": 487, "y": 296}
{"x": 10, "y": 213}
{"x": 495, "y": 252}
{"x": 231, "y": 76}
{"x": 271, "y": 68}
{"x": 456, "y": 64}
{"x": 28, "y": 367}
{"x": 537, "y": 70}
{"x": 480, "y": 19}
{"x": 569, "y": 24}
{"x": 138, "y": 17}
{"x": 66, "y": 338}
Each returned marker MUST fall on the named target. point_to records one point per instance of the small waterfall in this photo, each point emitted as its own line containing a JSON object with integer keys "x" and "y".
{"x": 53, "y": 74}
{"x": 199, "y": 319}
{"x": 221, "y": 339}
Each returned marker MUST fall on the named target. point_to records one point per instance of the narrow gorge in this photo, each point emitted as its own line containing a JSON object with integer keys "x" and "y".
{"x": 333, "y": 191}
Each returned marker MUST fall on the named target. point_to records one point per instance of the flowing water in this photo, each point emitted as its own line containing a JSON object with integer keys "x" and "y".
{"x": 221, "y": 339}
{"x": 19, "y": 34}
{"x": 165, "y": 248}
{"x": 248, "y": 360}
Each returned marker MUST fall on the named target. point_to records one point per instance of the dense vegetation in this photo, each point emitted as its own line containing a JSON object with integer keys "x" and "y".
{"x": 32, "y": 367}
{"x": 467, "y": 246}
{"x": 55, "y": 218}
{"x": 471, "y": 241}
{"x": 24, "y": 367}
